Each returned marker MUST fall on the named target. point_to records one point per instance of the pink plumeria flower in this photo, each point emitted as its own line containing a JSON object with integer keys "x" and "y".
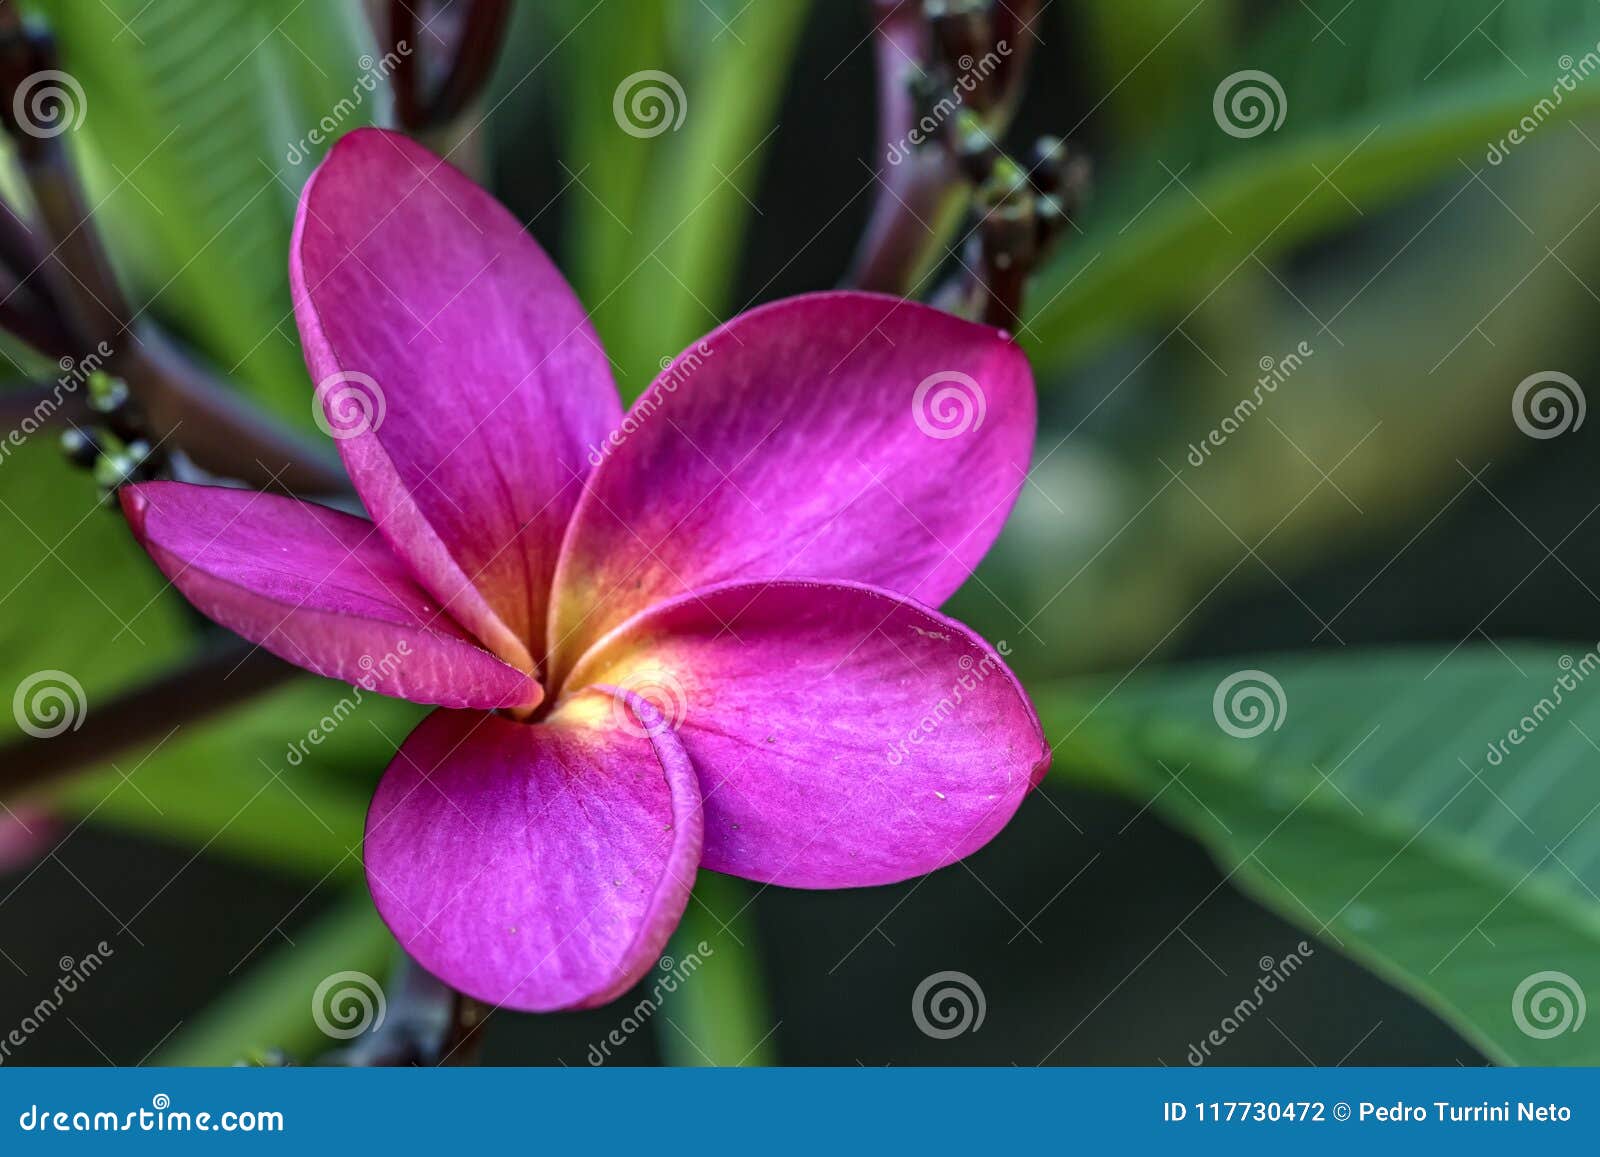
{"x": 699, "y": 635}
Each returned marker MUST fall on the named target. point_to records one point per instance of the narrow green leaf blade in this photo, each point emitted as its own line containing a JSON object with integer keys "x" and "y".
{"x": 1395, "y": 95}
{"x": 196, "y": 123}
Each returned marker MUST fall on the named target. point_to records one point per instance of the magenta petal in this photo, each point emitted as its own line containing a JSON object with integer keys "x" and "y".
{"x": 317, "y": 588}
{"x": 843, "y": 735}
{"x": 458, "y": 373}
{"x": 26, "y": 834}
{"x": 838, "y": 435}
{"x": 537, "y": 866}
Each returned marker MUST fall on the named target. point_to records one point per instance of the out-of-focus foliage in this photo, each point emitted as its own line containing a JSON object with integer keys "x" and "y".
{"x": 197, "y": 125}
{"x": 1382, "y": 100}
{"x": 269, "y": 1011}
{"x": 659, "y": 218}
{"x": 1415, "y": 373}
{"x": 1369, "y": 812}
{"x": 291, "y": 771}
{"x": 80, "y": 596}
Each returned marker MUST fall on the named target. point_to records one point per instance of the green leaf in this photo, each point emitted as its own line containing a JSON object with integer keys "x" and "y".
{"x": 661, "y": 212}
{"x": 718, "y": 1012}
{"x": 87, "y": 615}
{"x": 1386, "y": 807}
{"x": 1421, "y": 325}
{"x": 1388, "y": 99}
{"x": 282, "y": 781}
{"x": 79, "y": 598}
{"x": 195, "y": 112}
{"x": 1173, "y": 46}
{"x": 272, "y": 1008}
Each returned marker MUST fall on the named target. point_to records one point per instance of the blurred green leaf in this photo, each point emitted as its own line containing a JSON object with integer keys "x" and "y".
{"x": 612, "y": 44}
{"x": 1370, "y": 811}
{"x": 78, "y": 596}
{"x": 272, "y": 1007}
{"x": 1381, "y": 100}
{"x": 718, "y": 1014}
{"x": 661, "y": 211}
{"x": 196, "y": 122}
{"x": 283, "y": 781}
{"x": 1420, "y": 325}
{"x": 1173, "y": 46}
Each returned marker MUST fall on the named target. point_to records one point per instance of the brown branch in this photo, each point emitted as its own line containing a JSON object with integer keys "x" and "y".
{"x": 477, "y": 47}
{"x": 46, "y": 403}
{"x": 212, "y": 682}
{"x": 429, "y": 92}
{"x": 216, "y": 426}
{"x": 950, "y": 73}
{"x": 76, "y": 266}
{"x": 426, "y": 1023}
{"x": 920, "y": 182}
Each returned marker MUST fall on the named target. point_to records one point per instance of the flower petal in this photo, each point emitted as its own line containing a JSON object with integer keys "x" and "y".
{"x": 458, "y": 373}
{"x": 319, "y": 589}
{"x": 843, "y": 735}
{"x": 27, "y": 832}
{"x": 819, "y": 437}
{"x": 537, "y": 866}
